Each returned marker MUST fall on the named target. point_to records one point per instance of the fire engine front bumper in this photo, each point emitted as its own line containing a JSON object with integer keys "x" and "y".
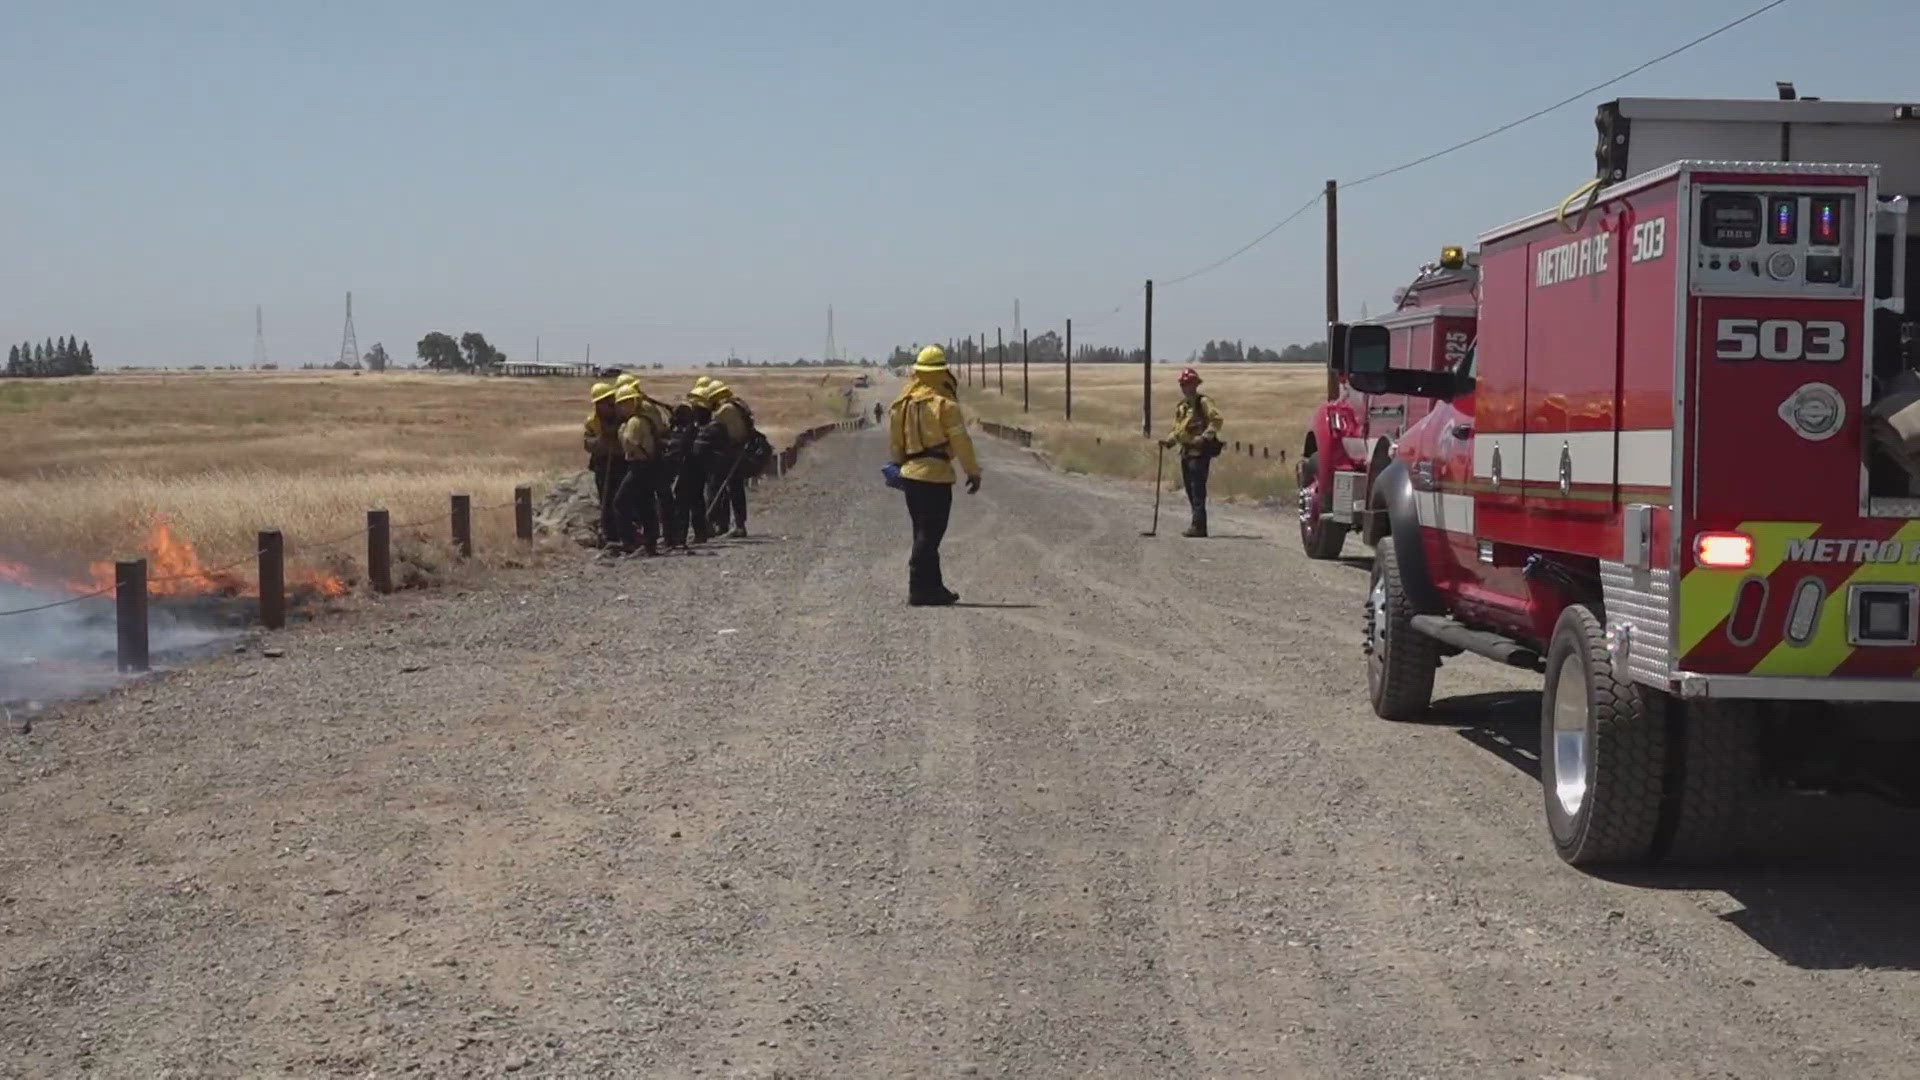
{"x": 1790, "y": 688}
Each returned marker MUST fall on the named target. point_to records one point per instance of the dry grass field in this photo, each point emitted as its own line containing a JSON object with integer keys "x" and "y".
{"x": 1267, "y": 405}
{"x": 89, "y": 468}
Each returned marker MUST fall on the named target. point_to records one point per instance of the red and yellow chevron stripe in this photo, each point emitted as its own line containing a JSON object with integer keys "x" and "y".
{"x": 1707, "y": 596}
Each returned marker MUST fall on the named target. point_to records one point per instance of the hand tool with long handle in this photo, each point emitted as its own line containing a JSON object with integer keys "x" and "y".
{"x": 1159, "y": 481}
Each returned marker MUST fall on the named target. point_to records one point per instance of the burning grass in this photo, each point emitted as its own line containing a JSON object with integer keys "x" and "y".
{"x": 1266, "y": 404}
{"x": 186, "y": 469}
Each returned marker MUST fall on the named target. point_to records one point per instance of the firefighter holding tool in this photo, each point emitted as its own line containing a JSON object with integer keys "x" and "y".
{"x": 926, "y": 433}
{"x": 1196, "y": 430}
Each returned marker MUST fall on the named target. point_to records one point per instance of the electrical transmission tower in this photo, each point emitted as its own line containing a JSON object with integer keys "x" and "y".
{"x": 259, "y": 338}
{"x": 833, "y": 347}
{"x": 349, "y": 346}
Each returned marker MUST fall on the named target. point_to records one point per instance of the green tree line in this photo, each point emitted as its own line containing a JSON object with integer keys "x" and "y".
{"x": 50, "y": 359}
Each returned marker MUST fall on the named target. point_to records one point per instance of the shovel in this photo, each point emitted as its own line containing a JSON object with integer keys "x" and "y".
{"x": 1159, "y": 481}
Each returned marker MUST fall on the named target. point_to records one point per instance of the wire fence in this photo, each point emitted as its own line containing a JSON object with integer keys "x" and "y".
{"x": 460, "y": 518}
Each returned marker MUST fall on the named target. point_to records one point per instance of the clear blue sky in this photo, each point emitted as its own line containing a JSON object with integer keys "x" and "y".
{"x": 669, "y": 181}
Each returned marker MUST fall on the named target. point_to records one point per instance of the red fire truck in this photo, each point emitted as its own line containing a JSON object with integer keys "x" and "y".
{"x": 1350, "y": 438}
{"x": 1677, "y": 472}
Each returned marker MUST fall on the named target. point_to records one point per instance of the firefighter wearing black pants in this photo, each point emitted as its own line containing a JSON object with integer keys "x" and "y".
{"x": 604, "y": 460}
{"x": 685, "y": 503}
{"x": 728, "y": 434}
{"x": 927, "y": 433}
{"x": 1196, "y": 431}
{"x": 637, "y": 500}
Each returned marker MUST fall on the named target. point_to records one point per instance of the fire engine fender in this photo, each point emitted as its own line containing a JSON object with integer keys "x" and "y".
{"x": 1393, "y": 493}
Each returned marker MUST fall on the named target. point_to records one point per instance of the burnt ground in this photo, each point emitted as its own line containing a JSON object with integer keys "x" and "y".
{"x": 746, "y": 814}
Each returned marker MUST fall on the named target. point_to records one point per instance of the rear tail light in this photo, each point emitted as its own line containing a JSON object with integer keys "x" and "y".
{"x": 1723, "y": 550}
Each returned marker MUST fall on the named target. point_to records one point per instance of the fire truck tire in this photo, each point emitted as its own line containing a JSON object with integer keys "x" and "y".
{"x": 1319, "y": 537}
{"x": 1401, "y": 661}
{"x": 1603, "y": 750}
{"x": 1718, "y": 771}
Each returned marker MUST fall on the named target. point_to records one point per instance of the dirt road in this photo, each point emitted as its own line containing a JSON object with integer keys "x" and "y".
{"x": 746, "y": 814}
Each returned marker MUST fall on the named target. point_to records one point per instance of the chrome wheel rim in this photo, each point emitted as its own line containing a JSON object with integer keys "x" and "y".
{"x": 1571, "y": 745}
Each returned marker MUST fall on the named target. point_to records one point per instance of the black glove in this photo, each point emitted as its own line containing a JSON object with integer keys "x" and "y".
{"x": 973, "y": 485}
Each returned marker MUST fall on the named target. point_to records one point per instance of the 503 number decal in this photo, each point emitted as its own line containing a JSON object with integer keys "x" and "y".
{"x": 1780, "y": 340}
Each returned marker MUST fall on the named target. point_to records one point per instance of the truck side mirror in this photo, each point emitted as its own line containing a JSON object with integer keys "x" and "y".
{"x": 1337, "y": 347}
{"x": 1368, "y": 371}
{"x": 1367, "y": 349}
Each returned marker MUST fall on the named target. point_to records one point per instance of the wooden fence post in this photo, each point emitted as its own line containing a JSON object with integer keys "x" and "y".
{"x": 523, "y": 514}
{"x": 273, "y": 580}
{"x": 130, "y": 613}
{"x": 379, "y": 552}
{"x": 463, "y": 525}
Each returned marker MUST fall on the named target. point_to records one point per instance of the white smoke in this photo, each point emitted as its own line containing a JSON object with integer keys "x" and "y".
{"x": 68, "y": 651}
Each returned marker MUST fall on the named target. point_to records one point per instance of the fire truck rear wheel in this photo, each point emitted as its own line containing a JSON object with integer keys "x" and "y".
{"x": 1603, "y": 750}
{"x": 1320, "y": 538}
{"x": 1719, "y": 771}
{"x": 1401, "y": 661}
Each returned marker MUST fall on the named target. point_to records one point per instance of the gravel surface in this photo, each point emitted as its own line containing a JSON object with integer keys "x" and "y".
{"x": 747, "y": 814}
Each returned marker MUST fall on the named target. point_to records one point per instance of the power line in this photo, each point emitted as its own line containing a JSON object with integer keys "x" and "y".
{"x": 1251, "y": 244}
{"x": 1563, "y": 102}
{"x": 1482, "y": 137}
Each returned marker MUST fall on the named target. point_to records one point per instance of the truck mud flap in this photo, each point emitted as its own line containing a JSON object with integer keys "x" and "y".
{"x": 1394, "y": 490}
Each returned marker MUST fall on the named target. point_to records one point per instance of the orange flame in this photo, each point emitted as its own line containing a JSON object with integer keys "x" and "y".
{"x": 16, "y": 573}
{"x": 174, "y": 568}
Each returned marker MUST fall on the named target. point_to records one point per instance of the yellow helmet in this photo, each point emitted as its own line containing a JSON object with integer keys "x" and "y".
{"x": 601, "y": 391}
{"x": 719, "y": 392}
{"x": 698, "y": 396}
{"x": 933, "y": 358}
{"x": 629, "y": 392}
{"x": 624, "y": 379}
{"x": 703, "y": 382}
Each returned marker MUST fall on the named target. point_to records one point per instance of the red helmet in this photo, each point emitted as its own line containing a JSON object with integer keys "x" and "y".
{"x": 1190, "y": 376}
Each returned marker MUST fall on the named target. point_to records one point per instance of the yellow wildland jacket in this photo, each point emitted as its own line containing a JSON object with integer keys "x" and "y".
{"x": 1191, "y": 425}
{"x": 599, "y": 441}
{"x": 928, "y": 432}
{"x": 641, "y": 433}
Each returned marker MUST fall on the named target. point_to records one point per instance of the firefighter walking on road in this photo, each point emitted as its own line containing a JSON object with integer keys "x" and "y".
{"x": 1196, "y": 431}
{"x": 926, "y": 433}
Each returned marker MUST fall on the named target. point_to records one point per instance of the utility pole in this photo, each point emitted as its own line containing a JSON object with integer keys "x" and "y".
{"x": 1000, "y": 357}
{"x": 1026, "y": 398}
{"x": 1069, "y": 369}
{"x": 1333, "y": 285}
{"x": 259, "y": 339}
{"x": 1146, "y": 371}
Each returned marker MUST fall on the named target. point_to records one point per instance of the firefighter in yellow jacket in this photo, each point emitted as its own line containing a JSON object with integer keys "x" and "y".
{"x": 637, "y": 502}
{"x": 1196, "y": 430}
{"x": 604, "y": 460}
{"x": 927, "y": 433}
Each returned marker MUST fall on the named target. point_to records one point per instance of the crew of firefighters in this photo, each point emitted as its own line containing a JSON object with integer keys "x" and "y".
{"x": 677, "y": 474}
{"x": 673, "y": 474}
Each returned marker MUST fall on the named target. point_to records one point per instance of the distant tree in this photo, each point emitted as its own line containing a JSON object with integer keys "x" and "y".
{"x": 376, "y": 358}
{"x": 14, "y": 368}
{"x": 86, "y": 358}
{"x": 479, "y": 353}
{"x": 440, "y": 352}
